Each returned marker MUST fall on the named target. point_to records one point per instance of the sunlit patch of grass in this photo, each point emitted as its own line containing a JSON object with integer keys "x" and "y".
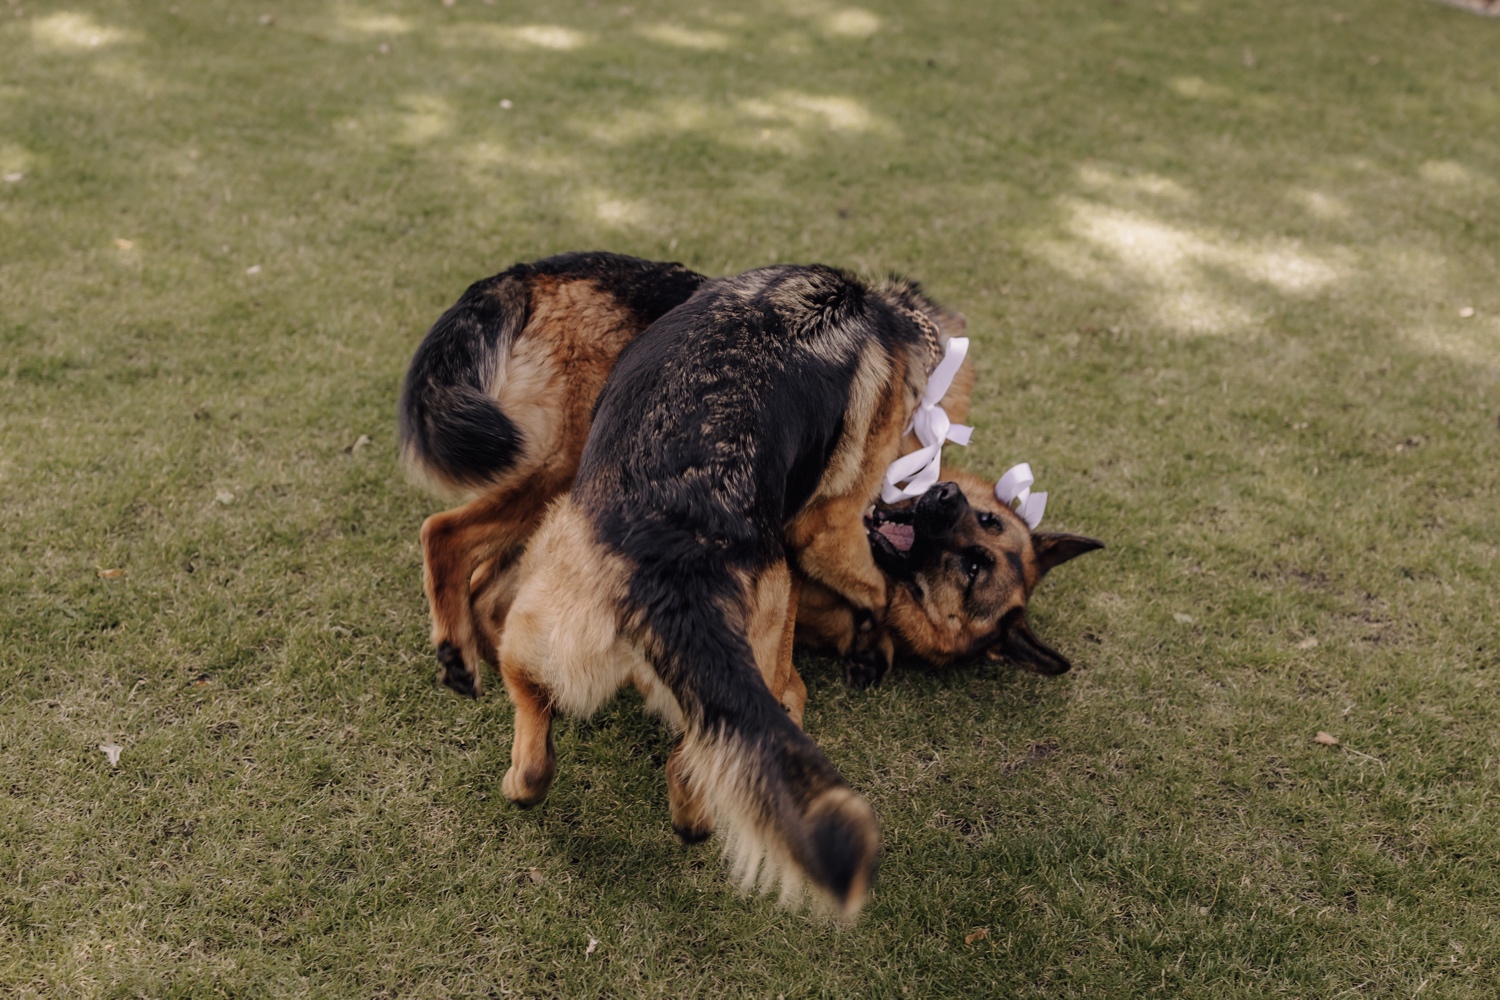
{"x": 1229, "y": 271}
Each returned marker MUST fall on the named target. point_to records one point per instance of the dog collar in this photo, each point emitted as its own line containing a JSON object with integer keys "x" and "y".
{"x": 919, "y": 469}
{"x": 1014, "y": 490}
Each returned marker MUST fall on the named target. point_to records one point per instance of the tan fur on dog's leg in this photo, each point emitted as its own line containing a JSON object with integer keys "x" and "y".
{"x": 453, "y": 544}
{"x": 833, "y": 549}
{"x": 692, "y": 819}
{"x": 492, "y": 590}
{"x": 788, "y": 686}
{"x": 533, "y": 762}
{"x": 770, "y": 626}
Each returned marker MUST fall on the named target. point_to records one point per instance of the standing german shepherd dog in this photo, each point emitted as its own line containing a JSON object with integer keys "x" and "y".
{"x": 755, "y": 419}
{"x": 498, "y": 400}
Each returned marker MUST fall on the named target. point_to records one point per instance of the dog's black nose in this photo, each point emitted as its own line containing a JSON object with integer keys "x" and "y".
{"x": 939, "y": 510}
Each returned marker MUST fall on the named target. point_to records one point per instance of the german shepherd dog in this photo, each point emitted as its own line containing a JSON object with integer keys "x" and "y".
{"x": 754, "y": 420}
{"x": 961, "y": 567}
{"x": 498, "y": 399}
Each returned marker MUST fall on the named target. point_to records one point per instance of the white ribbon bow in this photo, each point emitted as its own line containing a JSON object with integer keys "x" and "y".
{"x": 1014, "y": 490}
{"x": 919, "y": 470}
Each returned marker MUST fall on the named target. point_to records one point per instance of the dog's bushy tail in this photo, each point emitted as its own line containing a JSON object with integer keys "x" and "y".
{"x": 789, "y": 818}
{"x": 452, "y": 431}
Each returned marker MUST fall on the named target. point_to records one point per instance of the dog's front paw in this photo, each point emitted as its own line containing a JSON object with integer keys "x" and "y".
{"x": 866, "y": 668}
{"x": 456, "y": 673}
{"x": 525, "y": 788}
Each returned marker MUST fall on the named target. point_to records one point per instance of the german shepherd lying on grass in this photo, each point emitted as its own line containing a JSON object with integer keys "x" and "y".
{"x": 961, "y": 567}
{"x": 499, "y": 397}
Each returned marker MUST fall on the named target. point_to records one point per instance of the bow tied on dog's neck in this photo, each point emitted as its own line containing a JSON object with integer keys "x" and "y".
{"x": 919, "y": 470}
{"x": 1014, "y": 490}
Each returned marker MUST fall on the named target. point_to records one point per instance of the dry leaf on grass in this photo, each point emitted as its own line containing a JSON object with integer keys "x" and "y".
{"x": 1308, "y": 643}
{"x": 535, "y": 875}
{"x": 124, "y": 244}
{"x": 1327, "y": 739}
{"x": 112, "y": 751}
{"x": 977, "y": 935}
{"x": 593, "y": 943}
{"x": 1182, "y": 619}
{"x": 111, "y": 574}
{"x": 224, "y": 497}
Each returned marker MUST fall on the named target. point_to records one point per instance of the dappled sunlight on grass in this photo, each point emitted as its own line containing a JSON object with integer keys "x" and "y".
{"x": 1474, "y": 341}
{"x": 69, "y": 31}
{"x": 423, "y": 118}
{"x": 15, "y": 158}
{"x": 516, "y": 38}
{"x": 783, "y": 121}
{"x": 613, "y": 211}
{"x": 1125, "y": 184}
{"x": 364, "y": 23}
{"x": 1320, "y": 204}
{"x": 1450, "y": 174}
{"x": 850, "y": 22}
{"x": 834, "y": 20}
{"x": 1134, "y": 238}
{"x": 811, "y": 112}
{"x": 484, "y": 159}
{"x": 1177, "y": 272}
{"x": 684, "y": 38}
{"x": 1199, "y": 89}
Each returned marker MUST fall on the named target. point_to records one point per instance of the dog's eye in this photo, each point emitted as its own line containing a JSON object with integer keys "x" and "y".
{"x": 975, "y": 561}
{"x": 990, "y": 522}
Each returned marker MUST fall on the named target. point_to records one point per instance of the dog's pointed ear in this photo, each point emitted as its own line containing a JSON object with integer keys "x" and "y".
{"x": 1053, "y": 548}
{"x": 1021, "y": 647}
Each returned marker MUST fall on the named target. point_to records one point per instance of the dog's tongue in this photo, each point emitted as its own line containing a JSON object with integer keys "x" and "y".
{"x": 899, "y": 535}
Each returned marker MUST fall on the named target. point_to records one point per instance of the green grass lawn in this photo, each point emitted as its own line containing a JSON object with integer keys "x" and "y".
{"x": 1231, "y": 270}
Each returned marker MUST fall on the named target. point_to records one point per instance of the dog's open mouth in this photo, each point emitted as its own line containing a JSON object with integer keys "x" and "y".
{"x": 892, "y": 533}
{"x": 895, "y": 526}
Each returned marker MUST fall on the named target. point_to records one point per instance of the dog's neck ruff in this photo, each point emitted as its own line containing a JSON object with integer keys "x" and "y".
{"x": 1014, "y": 490}
{"x": 919, "y": 470}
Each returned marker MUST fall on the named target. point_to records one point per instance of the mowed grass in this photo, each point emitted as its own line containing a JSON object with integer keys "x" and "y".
{"x": 1214, "y": 257}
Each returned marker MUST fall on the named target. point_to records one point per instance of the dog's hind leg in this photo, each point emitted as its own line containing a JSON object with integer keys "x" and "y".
{"x": 454, "y": 543}
{"x": 692, "y": 819}
{"x": 561, "y": 649}
{"x": 533, "y": 759}
{"x": 493, "y": 588}
{"x": 782, "y": 678}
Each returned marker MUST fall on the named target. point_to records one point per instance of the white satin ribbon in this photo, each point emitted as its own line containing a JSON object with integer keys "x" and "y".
{"x": 1014, "y": 490}
{"x": 919, "y": 470}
